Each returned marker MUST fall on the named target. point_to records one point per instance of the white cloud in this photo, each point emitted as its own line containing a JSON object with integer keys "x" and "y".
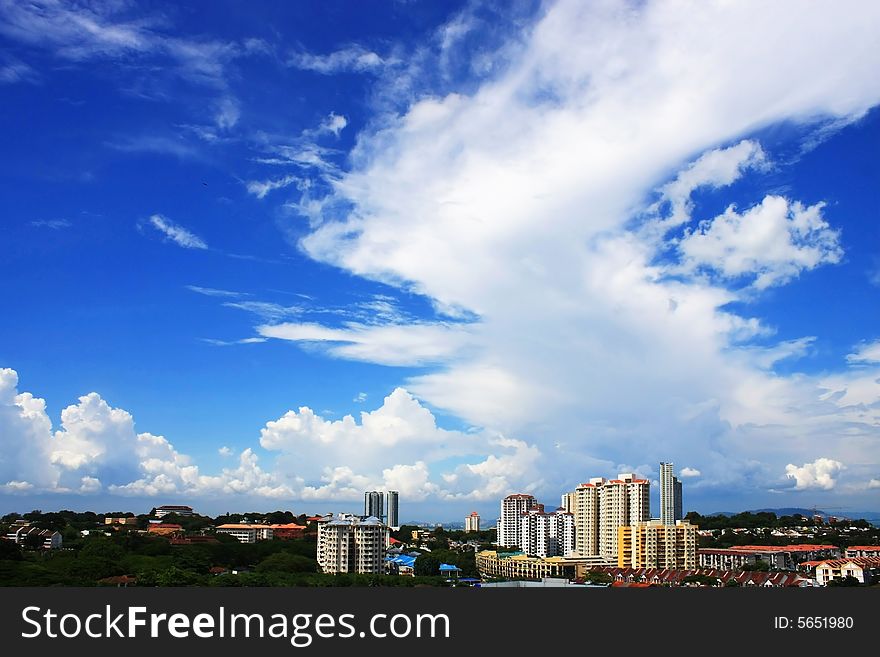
{"x": 530, "y": 214}
{"x": 353, "y": 58}
{"x": 773, "y": 241}
{"x": 874, "y": 483}
{"x": 176, "y": 233}
{"x": 866, "y": 353}
{"x": 334, "y": 123}
{"x": 689, "y": 472}
{"x": 261, "y": 188}
{"x": 399, "y": 447}
{"x": 227, "y": 113}
{"x": 717, "y": 168}
{"x": 389, "y": 344}
{"x": 820, "y": 474}
{"x": 266, "y": 310}
{"x": 54, "y": 224}
{"x": 404, "y": 432}
{"x": 214, "y": 292}
{"x": 360, "y": 398}
{"x": 14, "y": 70}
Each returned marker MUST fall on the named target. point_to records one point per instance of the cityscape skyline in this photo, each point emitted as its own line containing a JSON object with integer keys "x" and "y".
{"x": 276, "y": 255}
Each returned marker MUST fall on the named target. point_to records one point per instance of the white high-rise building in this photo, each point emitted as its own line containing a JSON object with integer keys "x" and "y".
{"x": 509, "y": 527}
{"x": 601, "y": 506}
{"x": 472, "y": 522}
{"x": 393, "y": 509}
{"x": 670, "y": 495}
{"x": 349, "y": 544}
{"x": 547, "y": 534}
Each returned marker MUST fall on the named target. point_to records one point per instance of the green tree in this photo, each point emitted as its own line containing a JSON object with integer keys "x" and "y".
{"x": 285, "y": 562}
{"x": 426, "y": 564}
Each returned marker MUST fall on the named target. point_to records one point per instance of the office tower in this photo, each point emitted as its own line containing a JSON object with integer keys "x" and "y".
{"x": 657, "y": 545}
{"x": 393, "y": 508}
{"x": 373, "y": 504}
{"x": 677, "y": 505}
{"x": 670, "y": 495}
{"x": 472, "y": 522}
{"x": 348, "y": 544}
{"x": 601, "y": 506}
{"x": 512, "y": 508}
{"x": 546, "y": 534}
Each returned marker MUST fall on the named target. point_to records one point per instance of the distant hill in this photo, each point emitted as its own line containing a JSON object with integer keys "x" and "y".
{"x": 790, "y": 511}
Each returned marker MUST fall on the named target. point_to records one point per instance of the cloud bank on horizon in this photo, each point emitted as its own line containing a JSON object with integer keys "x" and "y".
{"x": 589, "y": 314}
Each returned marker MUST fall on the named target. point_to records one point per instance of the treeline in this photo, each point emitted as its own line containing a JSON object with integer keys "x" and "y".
{"x": 98, "y": 560}
{"x": 768, "y": 519}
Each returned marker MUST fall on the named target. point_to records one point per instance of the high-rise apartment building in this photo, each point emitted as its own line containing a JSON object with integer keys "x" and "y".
{"x": 393, "y": 508}
{"x": 373, "y": 504}
{"x": 569, "y": 502}
{"x": 349, "y": 544}
{"x": 670, "y": 495}
{"x": 657, "y": 545}
{"x": 547, "y": 534}
{"x": 586, "y": 517}
{"x": 472, "y": 522}
{"x": 509, "y": 526}
{"x": 601, "y": 506}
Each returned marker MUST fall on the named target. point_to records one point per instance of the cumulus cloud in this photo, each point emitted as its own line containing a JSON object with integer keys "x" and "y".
{"x": 772, "y": 242}
{"x": 821, "y": 474}
{"x": 399, "y": 447}
{"x": 176, "y": 233}
{"x": 874, "y": 483}
{"x": 689, "y": 472}
{"x": 429, "y": 460}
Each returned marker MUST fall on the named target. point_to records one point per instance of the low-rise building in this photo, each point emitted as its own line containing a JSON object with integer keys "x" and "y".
{"x": 865, "y": 569}
{"x": 25, "y": 534}
{"x": 178, "y": 509}
{"x": 862, "y": 551}
{"x": 288, "y": 531}
{"x": 724, "y": 559}
{"x": 120, "y": 520}
{"x": 247, "y": 533}
{"x": 164, "y": 528}
{"x": 517, "y": 565}
{"x": 778, "y": 557}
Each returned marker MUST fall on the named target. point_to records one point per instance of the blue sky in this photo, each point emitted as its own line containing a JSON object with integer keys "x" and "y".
{"x": 271, "y": 255}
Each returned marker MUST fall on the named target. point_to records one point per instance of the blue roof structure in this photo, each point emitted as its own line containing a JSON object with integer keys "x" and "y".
{"x": 449, "y": 568}
{"x": 403, "y": 560}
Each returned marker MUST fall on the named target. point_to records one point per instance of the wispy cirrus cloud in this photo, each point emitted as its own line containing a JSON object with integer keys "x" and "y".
{"x": 54, "y": 224}
{"x": 215, "y": 292}
{"x": 177, "y": 233}
{"x": 354, "y": 58}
